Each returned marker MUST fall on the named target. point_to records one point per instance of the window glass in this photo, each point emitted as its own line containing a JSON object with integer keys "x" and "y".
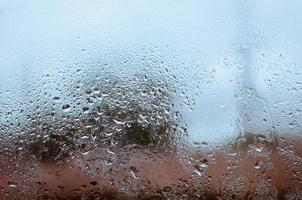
{"x": 150, "y": 99}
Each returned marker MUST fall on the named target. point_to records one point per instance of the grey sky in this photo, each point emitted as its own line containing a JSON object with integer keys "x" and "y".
{"x": 241, "y": 58}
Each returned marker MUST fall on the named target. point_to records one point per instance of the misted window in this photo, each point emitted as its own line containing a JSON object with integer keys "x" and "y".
{"x": 150, "y": 99}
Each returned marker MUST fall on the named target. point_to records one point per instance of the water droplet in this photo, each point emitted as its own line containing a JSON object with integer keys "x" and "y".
{"x": 66, "y": 107}
{"x": 56, "y": 98}
{"x": 257, "y": 165}
{"x": 12, "y": 184}
{"x": 204, "y": 163}
{"x": 93, "y": 183}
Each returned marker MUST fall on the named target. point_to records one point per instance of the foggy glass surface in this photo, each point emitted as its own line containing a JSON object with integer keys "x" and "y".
{"x": 208, "y": 91}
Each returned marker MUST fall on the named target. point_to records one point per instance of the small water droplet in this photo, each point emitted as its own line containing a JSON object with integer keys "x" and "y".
{"x": 12, "y": 184}
{"x": 56, "y": 98}
{"x": 66, "y": 107}
{"x": 93, "y": 183}
{"x": 204, "y": 163}
{"x": 198, "y": 172}
{"x": 85, "y": 109}
{"x": 257, "y": 165}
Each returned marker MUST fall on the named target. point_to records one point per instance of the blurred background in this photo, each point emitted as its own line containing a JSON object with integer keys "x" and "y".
{"x": 235, "y": 65}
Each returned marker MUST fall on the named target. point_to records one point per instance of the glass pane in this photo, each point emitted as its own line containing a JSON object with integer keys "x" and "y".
{"x": 150, "y": 99}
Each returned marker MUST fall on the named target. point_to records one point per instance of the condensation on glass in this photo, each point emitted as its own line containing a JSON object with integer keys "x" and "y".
{"x": 150, "y": 99}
